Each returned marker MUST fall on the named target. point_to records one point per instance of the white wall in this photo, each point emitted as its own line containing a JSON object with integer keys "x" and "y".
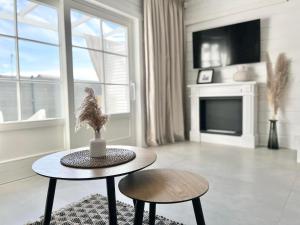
{"x": 279, "y": 23}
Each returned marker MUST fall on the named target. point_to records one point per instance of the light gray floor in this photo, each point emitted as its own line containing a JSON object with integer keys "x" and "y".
{"x": 247, "y": 187}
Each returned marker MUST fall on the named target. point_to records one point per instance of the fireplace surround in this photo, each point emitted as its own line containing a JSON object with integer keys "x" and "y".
{"x": 224, "y": 113}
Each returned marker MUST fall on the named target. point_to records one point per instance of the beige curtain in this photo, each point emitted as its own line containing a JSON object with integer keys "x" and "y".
{"x": 163, "y": 24}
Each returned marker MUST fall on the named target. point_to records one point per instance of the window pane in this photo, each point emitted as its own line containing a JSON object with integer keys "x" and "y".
{"x": 79, "y": 93}
{"x": 114, "y": 37}
{"x": 8, "y": 101}
{"x": 7, "y": 17}
{"x": 40, "y": 100}
{"x": 87, "y": 65}
{"x": 117, "y": 99}
{"x": 7, "y": 57}
{"x": 86, "y": 30}
{"x": 37, "y": 21}
{"x": 116, "y": 69}
{"x": 39, "y": 61}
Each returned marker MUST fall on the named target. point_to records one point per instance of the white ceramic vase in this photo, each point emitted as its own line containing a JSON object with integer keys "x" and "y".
{"x": 97, "y": 146}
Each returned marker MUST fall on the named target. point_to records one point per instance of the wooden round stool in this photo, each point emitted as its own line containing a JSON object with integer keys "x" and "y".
{"x": 163, "y": 186}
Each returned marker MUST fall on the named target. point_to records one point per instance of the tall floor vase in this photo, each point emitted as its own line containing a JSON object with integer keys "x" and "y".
{"x": 273, "y": 137}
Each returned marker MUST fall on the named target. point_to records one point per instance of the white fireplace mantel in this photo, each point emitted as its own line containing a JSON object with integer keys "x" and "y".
{"x": 247, "y": 90}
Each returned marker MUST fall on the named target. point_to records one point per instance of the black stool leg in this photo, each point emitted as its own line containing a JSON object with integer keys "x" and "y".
{"x": 49, "y": 201}
{"x": 198, "y": 211}
{"x": 134, "y": 202}
{"x": 152, "y": 213}
{"x": 111, "y": 197}
{"x": 139, "y": 212}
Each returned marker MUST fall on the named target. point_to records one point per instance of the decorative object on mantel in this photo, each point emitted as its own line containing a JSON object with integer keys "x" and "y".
{"x": 242, "y": 74}
{"x": 90, "y": 115}
{"x": 205, "y": 76}
{"x": 276, "y": 82}
{"x": 113, "y": 157}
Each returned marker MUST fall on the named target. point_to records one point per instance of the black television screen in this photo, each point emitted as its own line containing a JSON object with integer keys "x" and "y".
{"x": 229, "y": 45}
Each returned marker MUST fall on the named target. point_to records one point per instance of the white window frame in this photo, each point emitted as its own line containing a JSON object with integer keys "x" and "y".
{"x": 104, "y": 14}
{"x": 67, "y": 74}
{"x": 19, "y": 123}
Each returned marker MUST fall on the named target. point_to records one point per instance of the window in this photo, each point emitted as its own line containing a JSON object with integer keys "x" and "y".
{"x": 29, "y": 61}
{"x": 100, "y": 61}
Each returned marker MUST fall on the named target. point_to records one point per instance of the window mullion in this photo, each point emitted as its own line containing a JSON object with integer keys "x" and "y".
{"x": 103, "y": 70}
{"x": 17, "y": 62}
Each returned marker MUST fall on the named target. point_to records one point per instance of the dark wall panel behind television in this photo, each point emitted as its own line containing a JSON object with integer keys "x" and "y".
{"x": 228, "y": 45}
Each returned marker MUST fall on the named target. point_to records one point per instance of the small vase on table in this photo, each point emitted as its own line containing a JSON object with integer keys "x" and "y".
{"x": 97, "y": 146}
{"x": 90, "y": 114}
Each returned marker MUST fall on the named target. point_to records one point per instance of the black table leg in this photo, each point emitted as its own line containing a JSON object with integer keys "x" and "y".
{"x": 139, "y": 212}
{"x": 198, "y": 211}
{"x": 152, "y": 213}
{"x": 49, "y": 201}
{"x": 111, "y": 197}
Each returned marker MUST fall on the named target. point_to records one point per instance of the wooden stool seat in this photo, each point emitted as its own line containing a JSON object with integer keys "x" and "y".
{"x": 164, "y": 186}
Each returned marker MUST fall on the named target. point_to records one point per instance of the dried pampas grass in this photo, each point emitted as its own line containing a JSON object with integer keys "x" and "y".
{"x": 89, "y": 113}
{"x": 276, "y": 81}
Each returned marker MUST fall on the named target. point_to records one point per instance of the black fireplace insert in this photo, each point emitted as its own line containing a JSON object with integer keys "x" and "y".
{"x": 221, "y": 115}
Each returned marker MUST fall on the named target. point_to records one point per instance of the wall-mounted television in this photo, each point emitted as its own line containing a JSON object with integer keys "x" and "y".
{"x": 228, "y": 45}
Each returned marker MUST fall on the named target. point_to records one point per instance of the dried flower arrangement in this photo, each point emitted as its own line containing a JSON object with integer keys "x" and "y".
{"x": 90, "y": 113}
{"x": 276, "y": 81}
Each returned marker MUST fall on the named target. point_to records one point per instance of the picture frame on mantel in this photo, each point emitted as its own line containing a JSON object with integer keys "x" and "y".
{"x": 205, "y": 76}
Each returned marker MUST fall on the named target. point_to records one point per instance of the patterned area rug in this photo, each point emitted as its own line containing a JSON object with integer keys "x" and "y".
{"x": 93, "y": 211}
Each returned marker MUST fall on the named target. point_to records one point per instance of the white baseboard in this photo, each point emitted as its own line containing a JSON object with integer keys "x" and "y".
{"x": 245, "y": 141}
{"x": 19, "y": 168}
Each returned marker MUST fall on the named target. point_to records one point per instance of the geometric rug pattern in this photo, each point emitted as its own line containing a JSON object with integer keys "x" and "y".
{"x": 93, "y": 210}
